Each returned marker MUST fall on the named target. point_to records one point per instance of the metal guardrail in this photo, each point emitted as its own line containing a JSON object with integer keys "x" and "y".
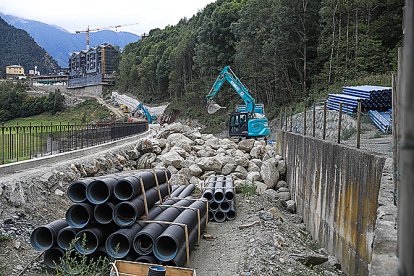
{"x": 23, "y": 142}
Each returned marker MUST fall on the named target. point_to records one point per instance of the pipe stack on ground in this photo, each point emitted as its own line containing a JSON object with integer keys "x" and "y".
{"x": 108, "y": 218}
{"x": 220, "y": 194}
{"x": 102, "y": 205}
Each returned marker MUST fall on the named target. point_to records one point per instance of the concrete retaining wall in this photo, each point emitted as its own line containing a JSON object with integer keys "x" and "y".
{"x": 336, "y": 191}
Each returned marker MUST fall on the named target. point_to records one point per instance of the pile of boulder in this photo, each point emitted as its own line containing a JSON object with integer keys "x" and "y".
{"x": 192, "y": 157}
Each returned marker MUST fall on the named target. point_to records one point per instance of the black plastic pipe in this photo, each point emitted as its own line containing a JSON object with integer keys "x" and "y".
{"x": 53, "y": 256}
{"x": 148, "y": 259}
{"x": 170, "y": 241}
{"x": 188, "y": 190}
{"x": 126, "y": 213}
{"x": 130, "y": 186}
{"x": 219, "y": 216}
{"x": 181, "y": 257}
{"x": 79, "y": 215}
{"x": 101, "y": 190}
{"x": 231, "y": 214}
{"x": 225, "y": 206}
{"x": 210, "y": 215}
{"x": 178, "y": 191}
{"x": 89, "y": 240}
{"x": 144, "y": 239}
{"x": 100, "y": 253}
{"x": 229, "y": 191}
{"x": 209, "y": 192}
{"x": 103, "y": 212}
{"x": 77, "y": 190}
{"x": 218, "y": 190}
{"x": 214, "y": 206}
{"x": 66, "y": 237}
{"x": 45, "y": 237}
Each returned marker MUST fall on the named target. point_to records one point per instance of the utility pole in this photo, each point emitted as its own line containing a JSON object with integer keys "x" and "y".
{"x": 406, "y": 193}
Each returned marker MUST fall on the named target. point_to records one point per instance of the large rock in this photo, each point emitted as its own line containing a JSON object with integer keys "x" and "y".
{"x": 210, "y": 164}
{"x": 253, "y": 176}
{"x": 133, "y": 154}
{"x": 283, "y": 196}
{"x": 281, "y": 184}
{"x": 228, "y": 169}
{"x": 196, "y": 181}
{"x": 172, "y": 158}
{"x": 253, "y": 167}
{"x": 269, "y": 152}
{"x": 260, "y": 187}
{"x": 241, "y": 170}
{"x": 178, "y": 179}
{"x": 269, "y": 172}
{"x": 258, "y": 162}
{"x": 174, "y": 128}
{"x": 257, "y": 152}
{"x": 242, "y": 161}
{"x": 271, "y": 194}
{"x": 145, "y": 161}
{"x": 172, "y": 169}
{"x": 246, "y": 145}
{"x": 195, "y": 170}
{"x": 281, "y": 167}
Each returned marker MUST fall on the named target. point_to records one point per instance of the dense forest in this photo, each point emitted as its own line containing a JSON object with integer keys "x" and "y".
{"x": 284, "y": 50}
{"x": 17, "y": 47}
{"x": 14, "y": 102}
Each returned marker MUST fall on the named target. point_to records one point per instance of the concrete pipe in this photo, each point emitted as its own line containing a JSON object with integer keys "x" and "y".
{"x": 126, "y": 213}
{"x": 53, "y": 256}
{"x": 45, "y": 237}
{"x": 189, "y": 189}
{"x": 79, "y": 215}
{"x": 144, "y": 240}
{"x": 219, "y": 216}
{"x": 229, "y": 189}
{"x": 231, "y": 214}
{"x": 66, "y": 237}
{"x": 89, "y": 240}
{"x": 103, "y": 212}
{"x": 172, "y": 239}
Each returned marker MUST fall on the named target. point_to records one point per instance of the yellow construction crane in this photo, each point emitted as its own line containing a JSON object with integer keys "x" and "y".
{"x": 88, "y": 30}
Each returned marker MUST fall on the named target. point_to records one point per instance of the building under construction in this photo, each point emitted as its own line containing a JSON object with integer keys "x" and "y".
{"x": 93, "y": 66}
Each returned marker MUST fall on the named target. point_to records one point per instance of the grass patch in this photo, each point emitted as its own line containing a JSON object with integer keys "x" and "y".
{"x": 4, "y": 238}
{"x": 248, "y": 189}
{"x": 87, "y": 112}
{"x": 348, "y": 133}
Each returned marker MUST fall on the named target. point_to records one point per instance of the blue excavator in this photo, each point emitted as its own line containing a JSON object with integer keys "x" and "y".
{"x": 249, "y": 119}
{"x": 140, "y": 107}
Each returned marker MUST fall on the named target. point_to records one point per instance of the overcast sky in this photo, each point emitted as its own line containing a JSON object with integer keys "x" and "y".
{"x": 78, "y": 14}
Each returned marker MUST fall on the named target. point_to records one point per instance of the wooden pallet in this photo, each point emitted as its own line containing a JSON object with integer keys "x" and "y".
{"x": 125, "y": 268}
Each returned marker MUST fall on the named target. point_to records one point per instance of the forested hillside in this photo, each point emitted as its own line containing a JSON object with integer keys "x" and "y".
{"x": 17, "y": 47}
{"x": 283, "y": 50}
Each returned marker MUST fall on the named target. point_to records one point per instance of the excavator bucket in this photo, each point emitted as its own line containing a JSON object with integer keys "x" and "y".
{"x": 212, "y": 107}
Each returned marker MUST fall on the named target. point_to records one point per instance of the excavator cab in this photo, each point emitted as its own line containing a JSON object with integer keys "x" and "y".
{"x": 238, "y": 124}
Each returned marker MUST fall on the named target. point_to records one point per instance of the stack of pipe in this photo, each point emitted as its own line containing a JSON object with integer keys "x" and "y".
{"x": 219, "y": 191}
{"x": 101, "y": 206}
{"x": 383, "y": 120}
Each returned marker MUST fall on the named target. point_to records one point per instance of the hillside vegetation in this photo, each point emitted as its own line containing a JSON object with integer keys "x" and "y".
{"x": 285, "y": 51}
{"x": 17, "y": 47}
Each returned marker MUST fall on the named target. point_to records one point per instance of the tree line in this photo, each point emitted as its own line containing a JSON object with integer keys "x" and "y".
{"x": 15, "y": 102}
{"x": 283, "y": 50}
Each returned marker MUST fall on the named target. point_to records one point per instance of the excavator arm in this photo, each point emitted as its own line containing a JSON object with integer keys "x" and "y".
{"x": 140, "y": 107}
{"x": 228, "y": 75}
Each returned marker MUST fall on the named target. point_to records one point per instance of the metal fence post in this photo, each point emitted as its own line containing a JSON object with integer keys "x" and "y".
{"x": 314, "y": 121}
{"x": 339, "y": 122}
{"x": 324, "y": 121}
{"x": 304, "y": 120}
{"x": 291, "y": 119}
{"x": 2, "y": 143}
{"x": 358, "y": 145}
{"x": 286, "y": 119}
{"x": 17, "y": 142}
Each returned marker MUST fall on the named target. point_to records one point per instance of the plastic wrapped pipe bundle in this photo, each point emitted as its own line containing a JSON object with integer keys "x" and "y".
{"x": 219, "y": 191}
{"x": 98, "y": 203}
{"x": 383, "y": 120}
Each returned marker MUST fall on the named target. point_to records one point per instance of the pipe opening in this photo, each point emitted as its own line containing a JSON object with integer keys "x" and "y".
{"x": 77, "y": 192}
{"x": 99, "y": 255}
{"x": 210, "y": 215}
{"x": 214, "y": 205}
{"x": 98, "y": 192}
{"x": 144, "y": 244}
{"x": 41, "y": 238}
{"x": 124, "y": 214}
{"x": 117, "y": 246}
{"x": 103, "y": 213}
{"x": 219, "y": 216}
{"x": 52, "y": 257}
{"x": 166, "y": 248}
{"x": 231, "y": 215}
{"x": 208, "y": 195}
{"x": 77, "y": 216}
{"x": 169, "y": 263}
{"x": 124, "y": 190}
{"x": 218, "y": 196}
{"x": 229, "y": 196}
{"x": 65, "y": 238}
{"x": 87, "y": 242}
{"x": 225, "y": 206}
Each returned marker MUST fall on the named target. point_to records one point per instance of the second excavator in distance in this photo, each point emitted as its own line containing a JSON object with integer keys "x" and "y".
{"x": 249, "y": 119}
